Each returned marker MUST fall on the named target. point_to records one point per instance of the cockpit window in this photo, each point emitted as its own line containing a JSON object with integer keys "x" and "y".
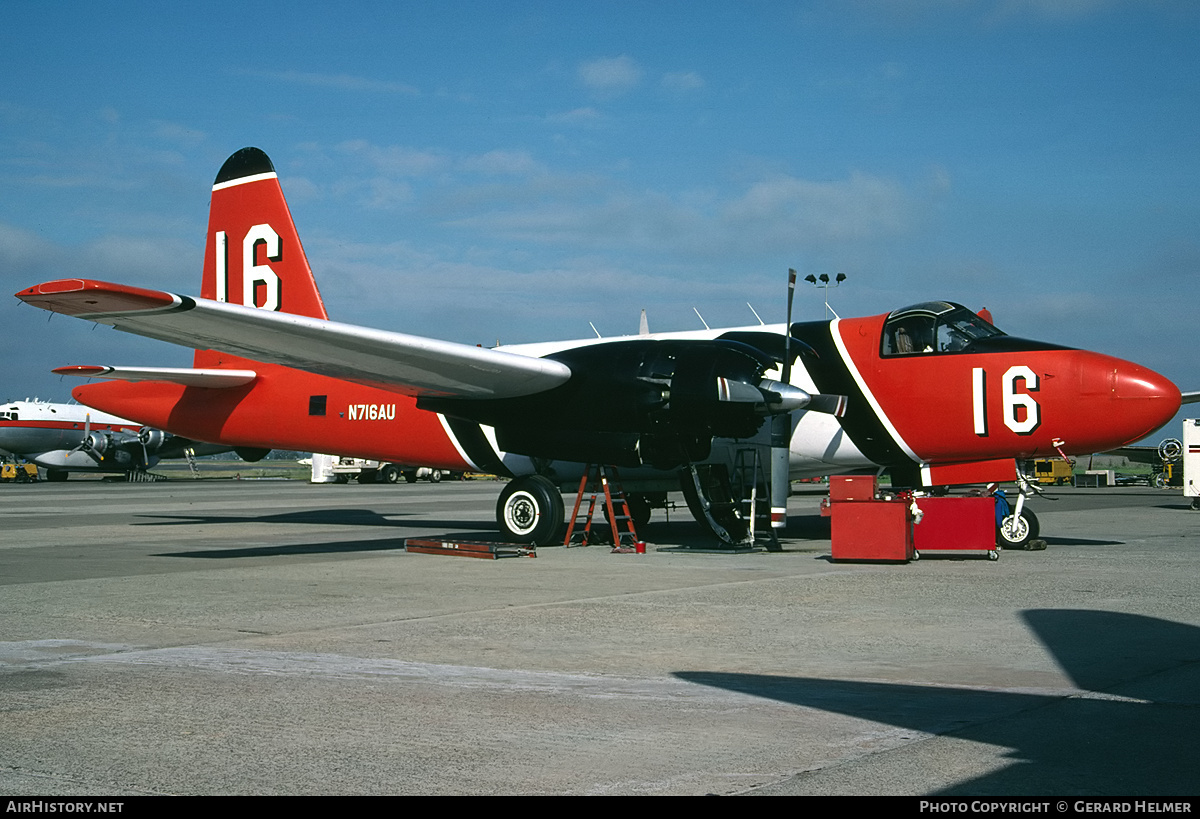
{"x": 933, "y": 327}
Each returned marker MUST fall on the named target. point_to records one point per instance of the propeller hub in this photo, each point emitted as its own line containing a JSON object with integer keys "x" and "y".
{"x": 783, "y": 397}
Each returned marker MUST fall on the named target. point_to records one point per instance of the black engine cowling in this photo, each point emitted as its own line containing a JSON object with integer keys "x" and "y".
{"x": 632, "y": 402}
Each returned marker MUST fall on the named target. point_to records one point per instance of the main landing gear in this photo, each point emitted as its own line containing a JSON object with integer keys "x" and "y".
{"x": 711, "y": 500}
{"x": 530, "y": 510}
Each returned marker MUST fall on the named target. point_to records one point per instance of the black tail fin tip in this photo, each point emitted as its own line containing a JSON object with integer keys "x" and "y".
{"x": 246, "y": 162}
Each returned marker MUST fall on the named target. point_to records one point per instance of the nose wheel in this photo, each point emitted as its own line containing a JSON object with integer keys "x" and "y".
{"x": 1016, "y": 530}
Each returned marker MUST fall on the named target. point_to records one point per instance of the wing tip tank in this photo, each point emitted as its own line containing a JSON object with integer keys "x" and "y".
{"x": 243, "y": 163}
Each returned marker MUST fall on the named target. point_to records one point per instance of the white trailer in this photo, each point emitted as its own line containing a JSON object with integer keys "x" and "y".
{"x": 322, "y": 468}
{"x": 339, "y": 469}
{"x": 1191, "y": 460}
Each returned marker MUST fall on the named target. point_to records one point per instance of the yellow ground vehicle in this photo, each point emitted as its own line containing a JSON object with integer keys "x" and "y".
{"x": 1052, "y": 470}
{"x": 21, "y": 473}
{"x": 1169, "y": 474}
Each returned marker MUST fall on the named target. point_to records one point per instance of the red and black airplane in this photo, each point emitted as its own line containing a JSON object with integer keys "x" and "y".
{"x": 933, "y": 393}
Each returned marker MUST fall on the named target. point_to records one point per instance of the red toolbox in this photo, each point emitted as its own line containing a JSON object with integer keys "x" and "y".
{"x": 865, "y": 526}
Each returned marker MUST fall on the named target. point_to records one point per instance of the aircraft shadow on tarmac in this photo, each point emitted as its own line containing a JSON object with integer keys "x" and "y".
{"x": 351, "y": 517}
{"x": 1081, "y": 541}
{"x": 673, "y": 530}
{"x": 327, "y": 517}
{"x": 332, "y": 547}
{"x": 329, "y": 548}
{"x": 1135, "y": 734}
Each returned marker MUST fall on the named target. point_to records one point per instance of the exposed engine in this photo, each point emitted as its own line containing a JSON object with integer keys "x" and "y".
{"x": 639, "y": 402}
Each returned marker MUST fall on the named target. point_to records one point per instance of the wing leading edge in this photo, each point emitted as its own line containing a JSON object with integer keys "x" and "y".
{"x": 401, "y": 363}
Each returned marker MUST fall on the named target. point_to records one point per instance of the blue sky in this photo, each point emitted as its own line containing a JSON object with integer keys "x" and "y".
{"x": 483, "y": 171}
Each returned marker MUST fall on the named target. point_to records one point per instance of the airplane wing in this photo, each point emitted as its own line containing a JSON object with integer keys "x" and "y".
{"x": 1137, "y": 454}
{"x": 401, "y": 363}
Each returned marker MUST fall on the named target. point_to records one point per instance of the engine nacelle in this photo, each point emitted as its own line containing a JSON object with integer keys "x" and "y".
{"x": 152, "y": 439}
{"x": 95, "y": 444}
{"x": 115, "y": 449}
{"x": 638, "y": 401}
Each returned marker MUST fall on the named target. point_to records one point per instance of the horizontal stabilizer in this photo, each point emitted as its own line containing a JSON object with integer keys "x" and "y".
{"x": 214, "y": 379}
{"x": 398, "y": 362}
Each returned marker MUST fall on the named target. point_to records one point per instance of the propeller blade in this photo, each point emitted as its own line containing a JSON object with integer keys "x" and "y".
{"x": 834, "y": 405}
{"x": 781, "y": 425}
{"x": 93, "y": 448}
{"x": 731, "y": 390}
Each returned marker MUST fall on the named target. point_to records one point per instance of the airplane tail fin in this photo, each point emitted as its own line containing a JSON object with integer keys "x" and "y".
{"x": 253, "y": 254}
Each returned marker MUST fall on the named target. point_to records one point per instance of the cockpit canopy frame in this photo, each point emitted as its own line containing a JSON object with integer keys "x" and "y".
{"x": 933, "y": 328}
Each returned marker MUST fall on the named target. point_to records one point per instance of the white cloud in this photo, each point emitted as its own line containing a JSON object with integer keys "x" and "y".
{"x": 611, "y": 75}
{"x": 889, "y": 12}
{"x": 682, "y": 81}
{"x": 1050, "y": 9}
{"x": 857, "y": 208}
{"x": 499, "y": 162}
{"x": 577, "y": 116}
{"x": 779, "y": 213}
{"x": 21, "y": 250}
{"x": 26, "y": 258}
{"x": 178, "y": 134}
{"x": 338, "y": 82}
{"x": 395, "y": 160}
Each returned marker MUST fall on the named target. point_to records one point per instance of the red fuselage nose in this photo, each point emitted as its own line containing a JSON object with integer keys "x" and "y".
{"x": 999, "y": 398}
{"x": 1139, "y": 399}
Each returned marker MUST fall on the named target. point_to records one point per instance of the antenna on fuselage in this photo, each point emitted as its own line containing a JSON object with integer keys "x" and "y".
{"x": 756, "y": 315}
{"x": 702, "y": 321}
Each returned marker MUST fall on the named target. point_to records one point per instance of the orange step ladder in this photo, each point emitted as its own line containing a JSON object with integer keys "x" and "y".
{"x": 598, "y": 480}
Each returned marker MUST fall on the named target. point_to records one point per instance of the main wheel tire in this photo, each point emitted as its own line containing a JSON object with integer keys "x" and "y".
{"x": 530, "y": 510}
{"x": 435, "y": 476}
{"x": 389, "y": 474}
{"x": 1015, "y": 532}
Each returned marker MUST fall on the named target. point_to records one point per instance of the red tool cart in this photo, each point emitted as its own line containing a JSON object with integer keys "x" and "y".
{"x": 956, "y": 526}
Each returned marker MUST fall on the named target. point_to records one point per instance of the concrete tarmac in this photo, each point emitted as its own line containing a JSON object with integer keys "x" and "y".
{"x": 259, "y": 637}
